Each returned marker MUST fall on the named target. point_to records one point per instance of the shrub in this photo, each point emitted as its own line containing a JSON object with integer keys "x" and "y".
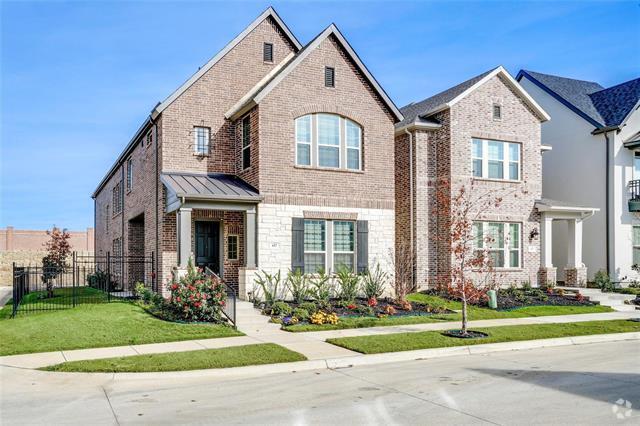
{"x": 298, "y": 284}
{"x": 101, "y": 280}
{"x": 372, "y": 302}
{"x": 324, "y": 318}
{"x": 301, "y": 314}
{"x": 560, "y": 292}
{"x": 374, "y": 283}
{"x": 526, "y": 286}
{"x": 321, "y": 288}
{"x": 143, "y": 293}
{"x": 349, "y": 284}
{"x": 270, "y": 286}
{"x": 365, "y": 310}
{"x": 310, "y": 307}
{"x": 579, "y": 297}
{"x": 603, "y": 281}
{"x": 521, "y": 297}
{"x": 279, "y": 309}
{"x": 389, "y": 310}
{"x": 196, "y": 297}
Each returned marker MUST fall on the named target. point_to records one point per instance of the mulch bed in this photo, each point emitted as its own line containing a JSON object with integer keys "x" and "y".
{"x": 359, "y": 308}
{"x": 470, "y": 334}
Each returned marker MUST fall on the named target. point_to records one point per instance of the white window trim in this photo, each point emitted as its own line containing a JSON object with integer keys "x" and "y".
{"x": 507, "y": 249}
{"x": 248, "y": 147}
{"x": 505, "y": 160}
{"x": 310, "y": 143}
{"x": 329, "y": 252}
{"x": 207, "y": 137}
{"x": 340, "y": 141}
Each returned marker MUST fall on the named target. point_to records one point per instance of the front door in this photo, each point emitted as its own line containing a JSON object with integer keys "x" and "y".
{"x": 208, "y": 245}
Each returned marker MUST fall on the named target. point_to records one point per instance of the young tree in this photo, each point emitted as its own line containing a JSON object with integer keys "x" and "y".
{"x": 403, "y": 265}
{"x": 471, "y": 273}
{"x": 58, "y": 250}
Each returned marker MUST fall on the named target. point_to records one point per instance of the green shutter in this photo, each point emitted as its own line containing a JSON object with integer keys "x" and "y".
{"x": 362, "y": 245}
{"x": 297, "y": 244}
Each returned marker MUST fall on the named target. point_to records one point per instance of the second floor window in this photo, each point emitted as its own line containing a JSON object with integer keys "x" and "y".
{"x": 129, "y": 174}
{"x": 201, "y": 141}
{"x": 246, "y": 142}
{"x": 495, "y": 159}
{"x": 336, "y": 142}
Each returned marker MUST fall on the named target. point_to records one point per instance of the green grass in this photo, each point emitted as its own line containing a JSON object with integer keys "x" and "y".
{"x": 94, "y": 326}
{"x": 238, "y": 356}
{"x": 475, "y": 313}
{"x": 434, "y": 339}
{"x": 628, "y": 290}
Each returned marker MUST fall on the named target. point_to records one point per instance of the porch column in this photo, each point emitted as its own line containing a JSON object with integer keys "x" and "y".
{"x": 250, "y": 221}
{"x": 183, "y": 223}
{"x": 547, "y": 272}
{"x": 575, "y": 272}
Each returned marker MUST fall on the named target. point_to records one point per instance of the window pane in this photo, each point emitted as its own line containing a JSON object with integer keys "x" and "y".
{"x": 313, "y": 262}
{"x": 497, "y": 258}
{"x": 353, "y": 159}
{"x": 636, "y": 255}
{"x": 303, "y": 129}
{"x": 353, "y": 134}
{"x": 304, "y": 154}
{"x": 477, "y": 234}
{"x": 477, "y": 168}
{"x": 495, "y": 232}
{"x": 329, "y": 156}
{"x": 496, "y": 150}
{"x": 514, "y": 152}
{"x": 513, "y": 171}
{"x": 343, "y": 236}
{"x": 328, "y": 129}
{"x": 343, "y": 260}
{"x": 314, "y": 235}
{"x": 246, "y": 131}
{"x": 477, "y": 148}
{"x": 514, "y": 258}
{"x": 495, "y": 170}
{"x": 246, "y": 157}
{"x": 636, "y": 235}
{"x": 514, "y": 235}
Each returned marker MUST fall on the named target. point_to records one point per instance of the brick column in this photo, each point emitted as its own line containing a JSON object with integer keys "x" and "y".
{"x": 575, "y": 277}
{"x": 546, "y": 274}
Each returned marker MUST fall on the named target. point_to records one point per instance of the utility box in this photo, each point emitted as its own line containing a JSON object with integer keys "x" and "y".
{"x": 493, "y": 299}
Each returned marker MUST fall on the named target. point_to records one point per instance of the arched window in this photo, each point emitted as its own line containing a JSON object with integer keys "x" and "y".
{"x": 328, "y": 141}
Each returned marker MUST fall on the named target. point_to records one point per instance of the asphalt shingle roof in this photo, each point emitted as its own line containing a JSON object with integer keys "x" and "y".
{"x": 416, "y": 109}
{"x": 604, "y": 107}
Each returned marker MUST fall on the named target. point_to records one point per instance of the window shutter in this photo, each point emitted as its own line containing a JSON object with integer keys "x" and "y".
{"x": 297, "y": 244}
{"x": 362, "y": 245}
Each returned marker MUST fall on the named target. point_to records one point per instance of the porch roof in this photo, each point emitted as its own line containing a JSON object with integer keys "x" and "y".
{"x": 210, "y": 187}
{"x": 554, "y": 206}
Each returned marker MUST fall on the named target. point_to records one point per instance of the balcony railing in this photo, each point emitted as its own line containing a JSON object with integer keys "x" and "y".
{"x": 634, "y": 196}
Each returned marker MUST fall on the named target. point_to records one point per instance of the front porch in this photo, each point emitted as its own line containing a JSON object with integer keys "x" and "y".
{"x": 552, "y": 211}
{"x": 215, "y": 224}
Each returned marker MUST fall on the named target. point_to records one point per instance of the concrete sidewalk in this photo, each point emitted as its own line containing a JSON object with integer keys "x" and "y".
{"x": 258, "y": 329}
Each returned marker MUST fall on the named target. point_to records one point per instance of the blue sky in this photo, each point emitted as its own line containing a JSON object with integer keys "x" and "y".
{"x": 78, "y": 78}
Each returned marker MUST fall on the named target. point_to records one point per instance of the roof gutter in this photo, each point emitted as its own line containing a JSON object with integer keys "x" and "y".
{"x": 417, "y": 125}
{"x": 605, "y": 129}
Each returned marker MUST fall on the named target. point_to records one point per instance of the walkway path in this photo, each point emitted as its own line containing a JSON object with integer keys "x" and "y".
{"x": 258, "y": 329}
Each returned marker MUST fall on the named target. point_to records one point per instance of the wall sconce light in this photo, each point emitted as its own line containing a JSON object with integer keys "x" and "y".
{"x": 533, "y": 234}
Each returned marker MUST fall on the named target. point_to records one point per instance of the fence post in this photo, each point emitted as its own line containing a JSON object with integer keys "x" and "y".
{"x": 108, "y": 284}
{"x": 153, "y": 272}
{"x": 15, "y": 293}
{"x": 73, "y": 277}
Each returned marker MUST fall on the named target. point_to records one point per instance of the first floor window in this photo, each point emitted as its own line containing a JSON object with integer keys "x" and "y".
{"x": 636, "y": 245}
{"x": 117, "y": 247}
{"x": 329, "y": 245}
{"x": 501, "y": 242}
{"x": 232, "y": 247}
{"x": 201, "y": 142}
{"x": 495, "y": 159}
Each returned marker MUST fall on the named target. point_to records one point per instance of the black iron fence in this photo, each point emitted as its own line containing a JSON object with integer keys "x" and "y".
{"x": 87, "y": 279}
{"x": 229, "y": 309}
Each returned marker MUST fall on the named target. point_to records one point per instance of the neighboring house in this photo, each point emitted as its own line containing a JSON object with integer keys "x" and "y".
{"x": 595, "y": 136}
{"x": 485, "y": 132}
{"x": 273, "y": 156}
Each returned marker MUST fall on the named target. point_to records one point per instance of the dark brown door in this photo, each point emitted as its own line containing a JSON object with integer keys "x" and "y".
{"x": 208, "y": 245}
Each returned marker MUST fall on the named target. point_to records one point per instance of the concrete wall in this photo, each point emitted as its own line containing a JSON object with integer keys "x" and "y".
{"x": 33, "y": 240}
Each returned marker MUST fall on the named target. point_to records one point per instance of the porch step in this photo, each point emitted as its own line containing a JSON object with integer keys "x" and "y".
{"x": 616, "y": 301}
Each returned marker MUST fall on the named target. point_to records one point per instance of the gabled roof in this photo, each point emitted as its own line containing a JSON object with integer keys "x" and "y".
{"x": 599, "y": 106}
{"x": 453, "y": 95}
{"x": 269, "y": 13}
{"x": 161, "y": 106}
{"x": 255, "y": 95}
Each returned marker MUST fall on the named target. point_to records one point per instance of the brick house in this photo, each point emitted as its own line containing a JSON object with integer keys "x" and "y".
{"x": 483, "y": 134}
{"x": 273, "y": 156}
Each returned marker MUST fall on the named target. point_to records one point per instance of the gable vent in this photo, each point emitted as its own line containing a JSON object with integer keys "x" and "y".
{"x": 267, "y": 52}
{"x": 329, "y": 77}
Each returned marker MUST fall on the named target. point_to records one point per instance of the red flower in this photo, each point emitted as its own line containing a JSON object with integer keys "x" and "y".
{"x": 351, "y": 306}
{"x": 178, "y": 299}
{"x": 174, "y": 286}
{"x": 373, "y": 302}
{"x": 223, "y": 303}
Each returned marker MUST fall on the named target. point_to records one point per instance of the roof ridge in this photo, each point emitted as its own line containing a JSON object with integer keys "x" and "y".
{"x": 614, "y": 86}
{"x": 559, "y": 76}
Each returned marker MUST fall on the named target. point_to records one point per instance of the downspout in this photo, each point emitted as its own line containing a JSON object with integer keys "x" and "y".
{"x": 157, "y": 178}
{"x": 411, "y": 192}
{"x": 608, "y": 204}
{"x": 95, "y": 213}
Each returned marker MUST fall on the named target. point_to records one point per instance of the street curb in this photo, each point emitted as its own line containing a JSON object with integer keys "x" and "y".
{"x": 360, "y": 360}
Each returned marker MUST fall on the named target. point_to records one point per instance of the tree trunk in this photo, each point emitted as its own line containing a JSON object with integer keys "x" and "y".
{"x": 464, "y": 316}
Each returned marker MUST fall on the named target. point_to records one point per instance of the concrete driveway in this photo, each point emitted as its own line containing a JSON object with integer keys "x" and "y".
{"x": 566, "y": 385}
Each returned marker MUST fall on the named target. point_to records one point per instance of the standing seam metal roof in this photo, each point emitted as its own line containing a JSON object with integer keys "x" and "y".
{"x": 210, "y": 186}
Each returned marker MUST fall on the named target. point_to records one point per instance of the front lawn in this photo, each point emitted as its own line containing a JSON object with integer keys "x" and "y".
{"x": 237, "y": 356}
{"x": 437, "y": 302}
{"x": 434, "y": 339}
{"x": 94, "y": 326}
